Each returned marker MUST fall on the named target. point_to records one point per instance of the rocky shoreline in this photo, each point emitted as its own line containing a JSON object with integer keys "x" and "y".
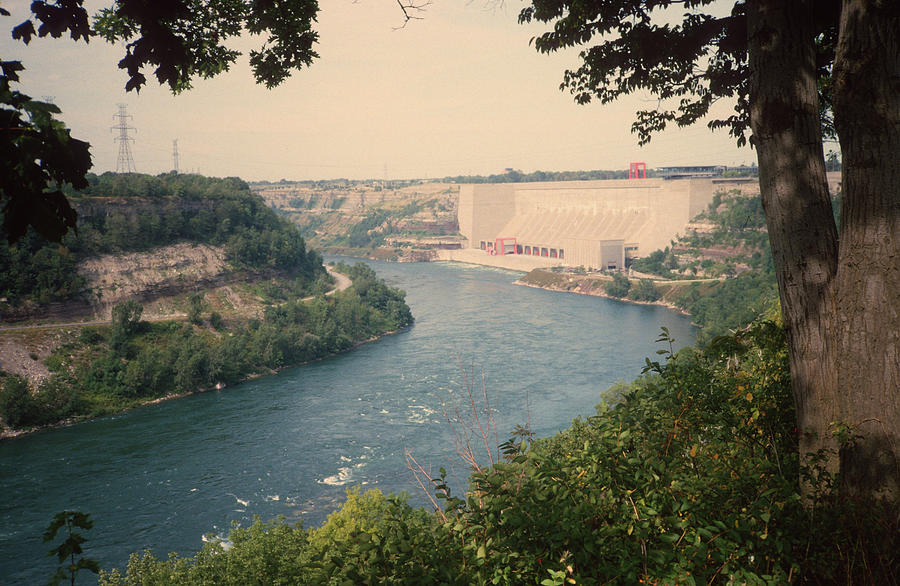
{"x": 601, "y": 293}
{"x": 585, "y": 285}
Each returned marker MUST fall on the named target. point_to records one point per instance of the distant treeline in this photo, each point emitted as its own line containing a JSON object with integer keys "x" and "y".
{"x": 133, "y": 212}
{"x": 343, "y": 183}
{"x": 508, "y": 176}
{"x": 184, "y": 185}
{"x": 514, "y": 176}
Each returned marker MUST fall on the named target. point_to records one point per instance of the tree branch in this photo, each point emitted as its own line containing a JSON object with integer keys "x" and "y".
{"x": 410, "y": 10}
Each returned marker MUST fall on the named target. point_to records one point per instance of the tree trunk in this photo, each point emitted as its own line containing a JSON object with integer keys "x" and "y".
{"x": 786, "y": 133}
{"x": 840, "y": 299}
{"x": 867, "y": 286}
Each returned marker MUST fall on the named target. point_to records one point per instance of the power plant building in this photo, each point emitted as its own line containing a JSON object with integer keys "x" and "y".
{"x": 596, "y": 224}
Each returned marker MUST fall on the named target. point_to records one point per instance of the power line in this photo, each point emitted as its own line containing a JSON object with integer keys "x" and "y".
{"x": 125, "y": 162}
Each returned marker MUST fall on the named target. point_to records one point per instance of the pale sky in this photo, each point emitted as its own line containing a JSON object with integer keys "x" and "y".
{"x": 459, "y": 92}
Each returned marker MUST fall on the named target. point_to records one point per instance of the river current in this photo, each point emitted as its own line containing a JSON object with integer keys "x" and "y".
{"x": 163, "y": 476}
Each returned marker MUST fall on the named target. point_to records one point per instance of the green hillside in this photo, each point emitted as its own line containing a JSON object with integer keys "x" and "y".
{"x": 120, "y": 213}
{"x": 274, "y": 305}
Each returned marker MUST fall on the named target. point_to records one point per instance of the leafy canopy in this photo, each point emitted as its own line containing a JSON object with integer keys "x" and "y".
{"x": 37, "y": 155}
{"x": 687, "y": 61}
{"x": 184, "y": 39}
{"x": 179, "y": 39}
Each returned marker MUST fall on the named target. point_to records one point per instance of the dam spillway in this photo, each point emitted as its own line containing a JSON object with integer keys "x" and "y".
{"x": 581, "y": 223}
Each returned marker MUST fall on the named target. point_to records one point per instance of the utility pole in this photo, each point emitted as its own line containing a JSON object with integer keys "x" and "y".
{"x": 125, "y": 163}
{"x": 175, "y": 154}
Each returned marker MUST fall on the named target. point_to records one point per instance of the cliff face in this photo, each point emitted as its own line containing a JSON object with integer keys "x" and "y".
{"x": 148, "y": 277}
{"x": 159, "y": 280}
{"x": 401, "y": 221}
{"x": 163, "y": 272}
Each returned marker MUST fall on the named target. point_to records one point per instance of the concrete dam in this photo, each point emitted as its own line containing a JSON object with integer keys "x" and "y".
{"x": 596, "y": 224}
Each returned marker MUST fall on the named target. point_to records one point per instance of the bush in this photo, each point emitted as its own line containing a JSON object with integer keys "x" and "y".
{"x": 216, "y": 321}
{"x": 16, "y": 403}
{"x": 618, "y": 287}
{"x": 683, "y": 481}
{"x": 371, "y": 539}
{"x": 644, "y": 291}
{"x": 90, "y": 336}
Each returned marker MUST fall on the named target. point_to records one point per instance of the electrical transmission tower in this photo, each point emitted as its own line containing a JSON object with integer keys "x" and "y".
{"x": 175, "y": 155}
{"x": 125, "y": 163}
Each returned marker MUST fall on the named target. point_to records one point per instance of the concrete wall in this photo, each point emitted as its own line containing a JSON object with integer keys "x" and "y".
{"x": 586, "y": 196}
{"x": 584, "y": 219}
{"x": 677, "y": 201}
{"x": 612, "y": 254}
{"x": 484, "y": 210}
{"x": 513, "y": 262}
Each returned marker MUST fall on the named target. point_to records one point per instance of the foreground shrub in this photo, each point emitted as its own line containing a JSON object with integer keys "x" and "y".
{"x": 692, "y": 479}
{"x": 687, "y": 479}
{"x": 371, "y": 539}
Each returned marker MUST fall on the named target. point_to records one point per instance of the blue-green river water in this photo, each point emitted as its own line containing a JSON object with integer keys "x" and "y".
{"x": 162, "y": 476}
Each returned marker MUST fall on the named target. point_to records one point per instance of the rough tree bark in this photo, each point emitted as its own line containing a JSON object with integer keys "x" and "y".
{"x": 839, "y": 301}
{"x": 866, "y": 326}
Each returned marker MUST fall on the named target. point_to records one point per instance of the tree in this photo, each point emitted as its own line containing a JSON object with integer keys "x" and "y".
{"x": 126, "y": 317}
{"x": 37, "y": 155}
{"x": 618, "y": 287}
{"x": 126, "y": 320}
{"x": 17, "y": 406}
{"x": 788, "y": 65}
{"x": 196, "y": 305}
{"x": 645, "y": 291}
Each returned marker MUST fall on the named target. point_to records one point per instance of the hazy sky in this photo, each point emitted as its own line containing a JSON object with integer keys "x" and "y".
{"x": 459, "y": 92}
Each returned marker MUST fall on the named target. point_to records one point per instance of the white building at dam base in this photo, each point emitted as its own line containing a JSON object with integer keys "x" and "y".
{"x": 597, "y": 224}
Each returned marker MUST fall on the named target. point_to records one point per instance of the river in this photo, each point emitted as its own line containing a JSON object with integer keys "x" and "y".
{"x": 162, "y": 476}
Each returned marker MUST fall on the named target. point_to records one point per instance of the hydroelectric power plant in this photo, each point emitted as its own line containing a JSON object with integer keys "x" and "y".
{"x": 598, "y": 224}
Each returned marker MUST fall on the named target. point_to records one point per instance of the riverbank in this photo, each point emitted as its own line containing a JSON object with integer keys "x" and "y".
{"x": 594, "y": 285}
{"x": 601, "y": 293}
{"x": 8, "y": 433}
{"x": 103, "y": 370}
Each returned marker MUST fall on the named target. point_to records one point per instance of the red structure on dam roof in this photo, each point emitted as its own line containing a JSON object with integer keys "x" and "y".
{"x": 637, "y": 170}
